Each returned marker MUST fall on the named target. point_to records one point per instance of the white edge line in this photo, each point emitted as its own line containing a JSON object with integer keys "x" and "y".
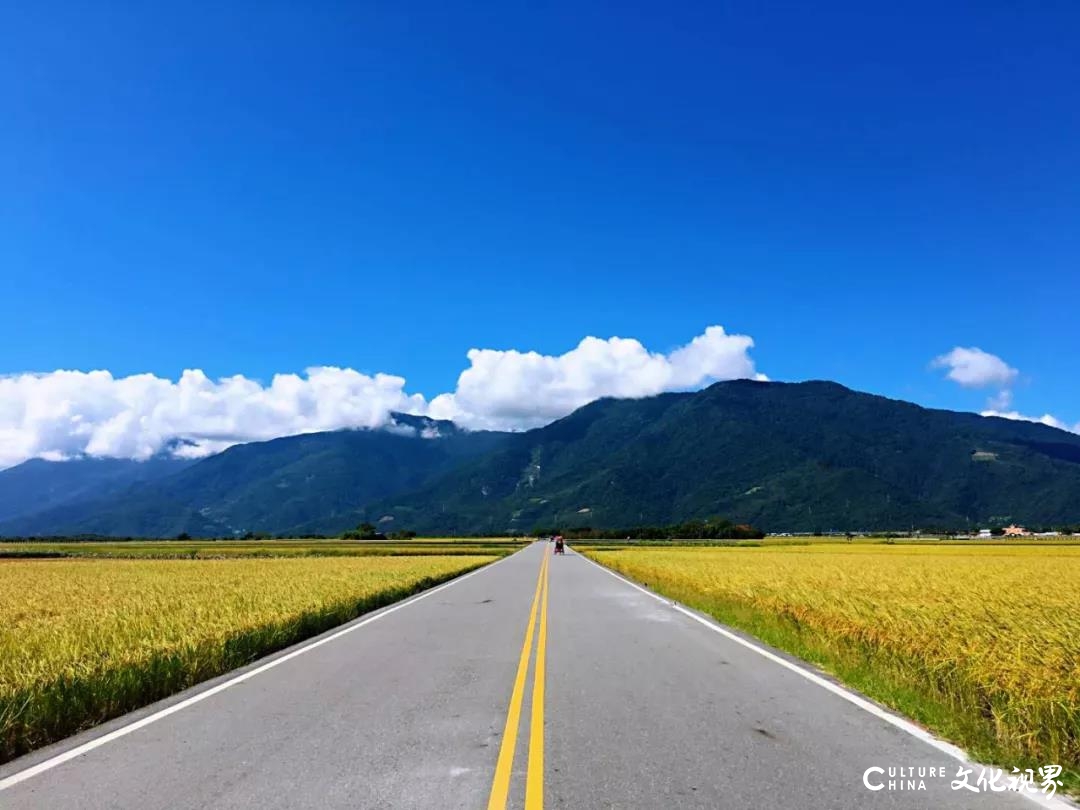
{"x": 851, "y": 697}
{"x": 97, "y": 742}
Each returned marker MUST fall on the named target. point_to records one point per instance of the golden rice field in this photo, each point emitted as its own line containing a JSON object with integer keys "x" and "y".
{"x": 214, "y": 549}
{"x": 981, "y": 643}
{"x": 83, "y": 640}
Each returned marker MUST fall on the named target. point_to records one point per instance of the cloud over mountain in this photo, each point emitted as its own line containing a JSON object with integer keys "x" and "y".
{"x": 974, "y": 368}
{"x": 1045, "y": 419}
{"x": 512, "y": 389}
{"x": 65, "y": 413}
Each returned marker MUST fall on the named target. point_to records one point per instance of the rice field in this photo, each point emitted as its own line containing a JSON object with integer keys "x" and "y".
{"x": 222, "y": 549}
{"x": 980, "y": 643}
{"x": 85, "y": 640}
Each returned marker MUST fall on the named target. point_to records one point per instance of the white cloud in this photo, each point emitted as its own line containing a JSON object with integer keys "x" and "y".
{"x": 1045, "y": 419}
{"x": 974, "y": 368}
{"x": 66, "y": 413}
{"x": 512, "y": 389}
{"x": 62, "y": 414}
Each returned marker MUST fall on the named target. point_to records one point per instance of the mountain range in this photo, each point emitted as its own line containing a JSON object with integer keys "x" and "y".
{"x": 782, "y": 456}
{"x": 308, "y": 484}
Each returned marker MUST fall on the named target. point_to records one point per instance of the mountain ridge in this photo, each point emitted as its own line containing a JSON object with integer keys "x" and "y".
{"x": 37, "y": 484}
{"x": 305, "y": 483}
{"x": 782, "y": 456}
{"x": 801, "y": 456}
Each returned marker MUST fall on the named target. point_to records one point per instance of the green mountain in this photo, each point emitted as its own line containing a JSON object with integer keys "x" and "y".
{"x": 313, "y": 483}
{"x": 37, "y": 485}
{"x": 784, "y": 457}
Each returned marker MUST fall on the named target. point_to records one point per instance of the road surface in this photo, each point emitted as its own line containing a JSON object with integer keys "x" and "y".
{"x": 643, "y": 705}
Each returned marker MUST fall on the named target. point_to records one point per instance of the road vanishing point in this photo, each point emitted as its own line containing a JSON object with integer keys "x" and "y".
{"x": 536, "y": 681}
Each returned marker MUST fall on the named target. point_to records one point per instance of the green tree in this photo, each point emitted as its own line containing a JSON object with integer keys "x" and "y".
{"x": 365, "y": 531}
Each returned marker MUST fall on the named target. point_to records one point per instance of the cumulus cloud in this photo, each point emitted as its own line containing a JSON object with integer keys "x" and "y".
{"x": 512, "y": 389}
{"x": 1045, "y": 419}
{"x": 67, "y": 413}
{"x": 974, "y": 368}
{"x": 62, "y": 414}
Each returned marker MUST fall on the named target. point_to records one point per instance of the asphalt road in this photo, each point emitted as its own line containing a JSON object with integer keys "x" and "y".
{"x": 645, "y": 706}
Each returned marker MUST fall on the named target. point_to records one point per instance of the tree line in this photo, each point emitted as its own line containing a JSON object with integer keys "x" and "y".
{"x": 715, "y": 529}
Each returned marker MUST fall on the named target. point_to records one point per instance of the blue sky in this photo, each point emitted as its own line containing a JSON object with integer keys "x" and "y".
{"x": 270, "y": 187}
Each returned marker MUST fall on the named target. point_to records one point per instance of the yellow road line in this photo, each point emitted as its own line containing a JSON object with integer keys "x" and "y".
{"x": 534, "y": 784}
{"x": 500, "y": 787}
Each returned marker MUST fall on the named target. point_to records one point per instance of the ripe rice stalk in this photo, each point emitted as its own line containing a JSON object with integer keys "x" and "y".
{"x": 82, "y": 641}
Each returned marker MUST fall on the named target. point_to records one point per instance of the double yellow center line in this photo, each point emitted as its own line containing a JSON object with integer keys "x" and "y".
{"x": 534, "y": 780}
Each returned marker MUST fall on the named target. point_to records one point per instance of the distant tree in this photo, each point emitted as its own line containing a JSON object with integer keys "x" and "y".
{"x": 997, "y": 531}
{"x": 691, "y": 530}
{"x": 365, "y": 531}
{"x": 183, "y": 536}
